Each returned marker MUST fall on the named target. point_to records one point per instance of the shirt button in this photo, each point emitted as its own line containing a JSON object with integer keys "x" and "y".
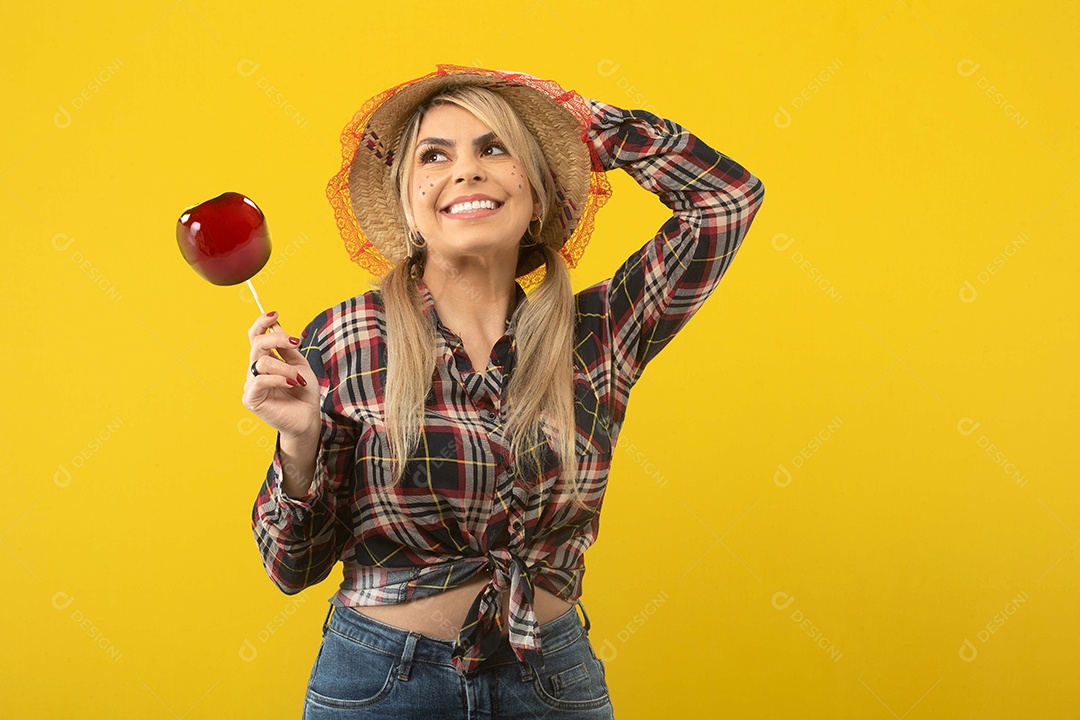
{"x": 487, "y": 415}
{"x": 517, "y": 524}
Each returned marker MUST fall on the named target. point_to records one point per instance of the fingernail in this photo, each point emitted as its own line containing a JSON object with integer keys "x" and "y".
{"x": 290, "y": 382}
{"x": 272, "y": 313}
{"x": 294, "y": 341}
{"x": 300, "y": 379}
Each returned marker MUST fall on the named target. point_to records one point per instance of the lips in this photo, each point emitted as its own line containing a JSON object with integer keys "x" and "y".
{"x": 471, "y": 204}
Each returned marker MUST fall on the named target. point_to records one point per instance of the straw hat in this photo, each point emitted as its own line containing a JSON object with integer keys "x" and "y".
{"x": 365, "y": 198}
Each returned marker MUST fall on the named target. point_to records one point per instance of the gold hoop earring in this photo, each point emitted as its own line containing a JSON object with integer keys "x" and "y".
{"x": 535, "y": 235}
{"x": 417, "y": 240}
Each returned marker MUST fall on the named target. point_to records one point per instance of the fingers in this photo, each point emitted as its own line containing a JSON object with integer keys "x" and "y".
{"x": 262, "y": 342}
{"x": 261, "y": 324}
{"x": 283, "y": 386}
{"x": 286, "y": 345}
{"x": 270, "y": 365}
{"x": 258, "y": 390}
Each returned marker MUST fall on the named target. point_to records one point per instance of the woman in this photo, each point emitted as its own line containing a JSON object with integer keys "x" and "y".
{"x": 447, "y": 437}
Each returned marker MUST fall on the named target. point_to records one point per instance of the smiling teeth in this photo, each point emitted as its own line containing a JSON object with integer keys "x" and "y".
{"x": 472, "y": 206}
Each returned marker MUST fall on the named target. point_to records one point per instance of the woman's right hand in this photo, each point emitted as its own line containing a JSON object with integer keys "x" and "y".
{"x": 285, "y": 394}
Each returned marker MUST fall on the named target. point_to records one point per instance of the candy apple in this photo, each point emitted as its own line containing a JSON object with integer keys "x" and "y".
{"x": 225, "y": 239}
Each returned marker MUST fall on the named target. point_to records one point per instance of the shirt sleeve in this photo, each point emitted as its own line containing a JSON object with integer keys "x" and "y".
{"x": 654, "y": 293}
{"x": 301, "y": 539}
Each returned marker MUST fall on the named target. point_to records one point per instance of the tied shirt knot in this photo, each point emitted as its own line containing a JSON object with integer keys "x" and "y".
{"x": 481, "y": 633}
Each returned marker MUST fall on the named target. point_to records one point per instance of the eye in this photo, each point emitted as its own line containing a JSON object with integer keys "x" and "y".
{"x": 494, "y": 148}
{"x": 431, "y": 155}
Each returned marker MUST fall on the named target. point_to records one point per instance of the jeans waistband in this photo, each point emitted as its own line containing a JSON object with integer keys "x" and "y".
{"x": 411, "y": 646}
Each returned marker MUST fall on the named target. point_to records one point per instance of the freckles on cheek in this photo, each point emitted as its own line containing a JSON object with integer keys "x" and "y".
{"x": 428, "y": 184}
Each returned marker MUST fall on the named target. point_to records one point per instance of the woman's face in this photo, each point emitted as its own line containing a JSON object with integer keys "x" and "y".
{"x": 468, "y": 196}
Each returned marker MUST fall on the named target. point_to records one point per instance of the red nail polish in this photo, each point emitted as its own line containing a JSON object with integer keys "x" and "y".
{"x": 294, "y": 341}
{"x": 300, "y": 379}
{"x": 290, "y": 382}
{"x": 272, "y": 313}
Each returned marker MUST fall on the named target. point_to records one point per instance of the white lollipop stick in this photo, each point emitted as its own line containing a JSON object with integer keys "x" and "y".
{"x": 257, "y": 302}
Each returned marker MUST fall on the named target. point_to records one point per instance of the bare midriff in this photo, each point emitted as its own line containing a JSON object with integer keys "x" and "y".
{"x": 442, "y": 615}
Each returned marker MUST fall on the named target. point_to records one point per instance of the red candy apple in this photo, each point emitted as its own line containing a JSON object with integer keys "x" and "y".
{"x": 224, "y": 239}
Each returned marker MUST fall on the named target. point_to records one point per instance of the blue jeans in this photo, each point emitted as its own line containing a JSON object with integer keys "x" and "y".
{"x": 368, "y": 669}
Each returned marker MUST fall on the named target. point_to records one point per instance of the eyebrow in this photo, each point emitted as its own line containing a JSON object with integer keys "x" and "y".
{"x": 444, "y": 142}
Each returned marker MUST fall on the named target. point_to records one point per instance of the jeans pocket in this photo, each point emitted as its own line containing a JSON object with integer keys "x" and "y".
{"x": 349, "y": 674}
{"x": 572, "y": 678}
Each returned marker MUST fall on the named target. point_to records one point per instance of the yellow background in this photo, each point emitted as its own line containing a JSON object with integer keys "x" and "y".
{"x": 848, "y": 489}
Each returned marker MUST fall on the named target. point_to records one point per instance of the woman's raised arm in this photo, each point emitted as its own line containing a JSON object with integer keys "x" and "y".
{"x": 713, "y": 199}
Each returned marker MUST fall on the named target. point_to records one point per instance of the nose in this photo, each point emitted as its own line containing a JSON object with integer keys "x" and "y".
{"x": 468, "y": 168}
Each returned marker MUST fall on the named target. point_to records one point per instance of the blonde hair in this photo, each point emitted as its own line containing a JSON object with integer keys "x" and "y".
{"x": 540, "y": 393}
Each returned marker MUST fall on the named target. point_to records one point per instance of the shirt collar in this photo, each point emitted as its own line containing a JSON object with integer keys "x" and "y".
{"x": 428, "y": 302}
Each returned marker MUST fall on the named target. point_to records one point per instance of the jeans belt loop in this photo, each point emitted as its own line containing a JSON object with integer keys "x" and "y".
{"x": 407, "y": 656}
{"x": 326, "y": 622}
{"x": 587, "y": 623}
{"x": 526, "y": 670}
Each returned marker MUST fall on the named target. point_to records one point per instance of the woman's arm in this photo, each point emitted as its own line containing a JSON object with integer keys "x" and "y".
{"x": 301, "y": 538}
{"x": 654, "y": 293}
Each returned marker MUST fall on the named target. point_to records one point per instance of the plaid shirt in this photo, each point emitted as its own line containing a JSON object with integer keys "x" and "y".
{"x": 461, "y": 510}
